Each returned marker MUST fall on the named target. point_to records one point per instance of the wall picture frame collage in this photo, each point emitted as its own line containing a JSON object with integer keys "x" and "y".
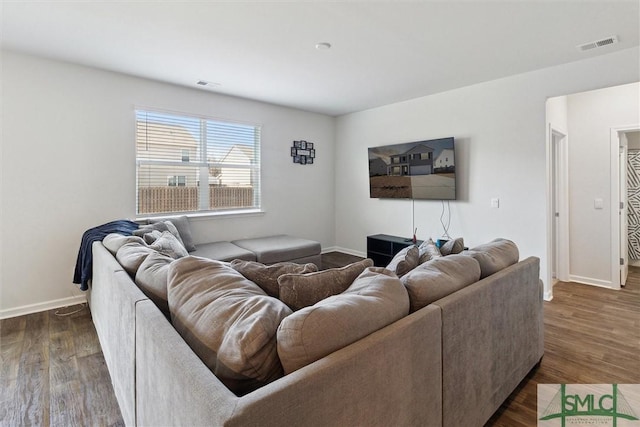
{"x": 303, "y": 152}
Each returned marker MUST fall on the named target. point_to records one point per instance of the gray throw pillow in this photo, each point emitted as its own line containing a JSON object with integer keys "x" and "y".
{"x": 169, "y": 245}
{"x": 453, "y": 246}
{"x": 405, "y": 260}
{"x": 161, "y": 226}
{"x": 184, "y": 229}
{"x": 266, "y": 276}
{"x": 428, "y": 250}
{"x": 302, "y": 290}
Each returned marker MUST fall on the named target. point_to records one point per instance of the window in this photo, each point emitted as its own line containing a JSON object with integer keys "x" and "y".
{"x": 192, "y": 164}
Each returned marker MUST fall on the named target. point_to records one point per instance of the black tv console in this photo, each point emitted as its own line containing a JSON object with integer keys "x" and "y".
{"x": 382, "y": 247}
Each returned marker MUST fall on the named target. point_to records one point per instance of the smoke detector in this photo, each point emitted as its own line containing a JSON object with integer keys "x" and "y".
{"x": 598, "y": 43}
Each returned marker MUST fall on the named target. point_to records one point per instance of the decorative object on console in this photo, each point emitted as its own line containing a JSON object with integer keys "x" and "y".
{"x": 303, "y": 152}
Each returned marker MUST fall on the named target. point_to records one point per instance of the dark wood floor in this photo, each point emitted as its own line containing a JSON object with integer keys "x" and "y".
{"x": 52, "y": 372}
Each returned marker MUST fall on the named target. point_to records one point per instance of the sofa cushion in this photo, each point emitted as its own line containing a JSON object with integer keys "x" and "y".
{"x": 272, "y": 249}
{"x": 227, "y": 320}
{"x": 494, "y": 256}
{"x": 428, "y": 250}
{"x": 169, "y": 245}
{"x": 452, "y": 246}
{"x": 223, "y": 251}
{"x": 374, "y": 300}
{"x": 115, "y": 241}
{"x": 302, "y": 290}
{"x": 184, "y": 229}
{"x": 438, "y": 278}
{"x": 266, "y": 276}
{"x": 151, "y": 278}
{"x": 405, "y": 260}
{"x": 131, "y": 255}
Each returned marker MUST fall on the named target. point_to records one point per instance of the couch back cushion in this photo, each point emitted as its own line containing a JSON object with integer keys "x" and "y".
{"x": 305, "y": 289}
{"x": 115, "y": 241}
{"x": 151, "y": 278}
{"x": 266, "y": 276}
{"x": 438, "y": 278}
{"x": 494, "y": 256}
{"x": 227, "y": 320}
{"x": 374, "y": 300}
{"x": 131, "y": 255}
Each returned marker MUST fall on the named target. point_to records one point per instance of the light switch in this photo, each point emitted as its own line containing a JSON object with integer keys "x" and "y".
{"x": 495, "y": 202}
{"x": 598, "y": 204}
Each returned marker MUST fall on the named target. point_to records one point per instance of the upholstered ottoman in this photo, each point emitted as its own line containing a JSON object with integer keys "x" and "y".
{"x": 223, "y": 251}
{"x": 272, "y": 249}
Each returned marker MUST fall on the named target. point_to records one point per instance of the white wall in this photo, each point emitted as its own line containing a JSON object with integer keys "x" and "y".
{"x": 591, "y": 115}
{"x": 500, "y": 132}
{"x": 68, "y": 165}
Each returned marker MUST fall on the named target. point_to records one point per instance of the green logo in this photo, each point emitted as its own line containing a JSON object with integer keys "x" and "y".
{"x": 586, "y": 403}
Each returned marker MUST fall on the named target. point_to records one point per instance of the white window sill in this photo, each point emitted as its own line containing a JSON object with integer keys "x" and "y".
{"x": 203, "y": 216}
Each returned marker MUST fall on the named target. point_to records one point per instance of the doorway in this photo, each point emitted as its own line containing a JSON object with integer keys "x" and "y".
{"x": 559, "y": 250}
{"x": 625, "y": 156}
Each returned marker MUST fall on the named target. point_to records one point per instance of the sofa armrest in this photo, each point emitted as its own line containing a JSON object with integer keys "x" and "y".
{"x": 493, "y": 335}
{"x": 112, "y": 302}
{"x": 391, "y": 377}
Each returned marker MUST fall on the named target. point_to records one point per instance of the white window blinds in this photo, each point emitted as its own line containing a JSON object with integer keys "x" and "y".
{"x": 189, "y": 164}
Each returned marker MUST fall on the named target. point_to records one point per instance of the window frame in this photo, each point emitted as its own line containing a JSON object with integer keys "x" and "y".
{"x": 202, "y": 162}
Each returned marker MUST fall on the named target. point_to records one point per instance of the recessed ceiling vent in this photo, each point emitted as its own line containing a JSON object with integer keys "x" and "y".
{"x": 598, "y": 43}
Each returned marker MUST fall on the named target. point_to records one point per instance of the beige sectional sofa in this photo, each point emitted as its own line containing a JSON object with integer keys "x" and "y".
{"x": 449, "y": 362}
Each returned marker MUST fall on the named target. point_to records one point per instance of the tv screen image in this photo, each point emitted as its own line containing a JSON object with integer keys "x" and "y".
{"x": 413, "y": 170}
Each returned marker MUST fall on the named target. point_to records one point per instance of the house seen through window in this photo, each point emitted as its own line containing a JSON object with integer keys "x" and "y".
{"x": 191, "y": 164}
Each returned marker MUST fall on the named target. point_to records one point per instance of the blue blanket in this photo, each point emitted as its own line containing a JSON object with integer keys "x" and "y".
{"x": 84, "y": 263}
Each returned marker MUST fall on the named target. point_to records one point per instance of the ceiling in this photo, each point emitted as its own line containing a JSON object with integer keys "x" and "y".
{"x": 381, "y": 51}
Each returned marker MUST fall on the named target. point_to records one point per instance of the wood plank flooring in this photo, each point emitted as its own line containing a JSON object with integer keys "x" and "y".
{"x": 52, "y": 371}
{"x": 592, "y": 336}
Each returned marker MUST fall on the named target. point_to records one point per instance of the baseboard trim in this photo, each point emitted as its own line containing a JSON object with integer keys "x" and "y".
{"x": 590, "y": 281}
{"x": 548, "y": 296}
{"x": 344, "y": 251}
{"x": 42, "y": 306}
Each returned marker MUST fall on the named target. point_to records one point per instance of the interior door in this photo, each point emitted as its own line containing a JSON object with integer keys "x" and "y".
{"x": 623, "y": 211}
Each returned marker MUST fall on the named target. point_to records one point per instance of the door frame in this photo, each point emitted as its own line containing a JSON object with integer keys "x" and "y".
{"x": 615, "y": 200}
{"x": 561, "y": 252}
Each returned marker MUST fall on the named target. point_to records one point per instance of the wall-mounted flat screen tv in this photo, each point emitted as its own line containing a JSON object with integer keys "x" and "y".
{"x": 413, "y": 170}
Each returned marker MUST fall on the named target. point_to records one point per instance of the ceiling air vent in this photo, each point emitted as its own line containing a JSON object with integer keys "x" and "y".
{"x": 598, "y": 43}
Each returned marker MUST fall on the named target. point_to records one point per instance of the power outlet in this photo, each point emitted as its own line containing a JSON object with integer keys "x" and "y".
{"x": 495, "y": 202}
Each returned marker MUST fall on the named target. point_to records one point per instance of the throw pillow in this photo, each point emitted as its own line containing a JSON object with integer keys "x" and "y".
{"x": 428, "y": 250}
{"x": 452, "y": 246}
{"x": 494, "y": 256}
{"x": 302, "y": 290}
{"x": 266, "y": 276}
{"x": 151, "y": 237}
{"x": 169, "y": 245}
{"x": 227, "y": 320}
{"x": 184, "y": 229}
{"x": 405, "y": 260}
{"x": 131, "y": 255}
{"x": 151, "y": 278}
{"x": 115, "y": 241}
{"x": 438, "y": 278}
{"x": 374, "y": 300}
{"x": 161, "y": 227}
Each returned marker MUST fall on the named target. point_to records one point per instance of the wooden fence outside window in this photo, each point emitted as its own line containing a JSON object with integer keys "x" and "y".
{"x": 185, "y": 199}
